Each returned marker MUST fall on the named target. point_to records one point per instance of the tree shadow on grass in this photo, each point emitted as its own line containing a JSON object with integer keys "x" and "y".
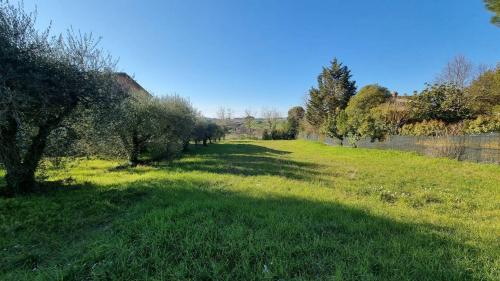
{"x": 193, "y": 230}
{"x": 246, "y": 160}
{"x": 235, "y": 148}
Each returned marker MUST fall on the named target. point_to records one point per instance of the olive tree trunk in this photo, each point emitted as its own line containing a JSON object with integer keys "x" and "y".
{"x": 20, "y": 169}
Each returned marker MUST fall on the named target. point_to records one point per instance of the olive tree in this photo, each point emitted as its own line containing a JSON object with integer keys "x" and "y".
{"x": 160, "y": 126}
{"x": 199, "y": 133}
{"x": 173, "y": 120}
{"x": 133, "y": 121}
{"x": 43, "y": 81}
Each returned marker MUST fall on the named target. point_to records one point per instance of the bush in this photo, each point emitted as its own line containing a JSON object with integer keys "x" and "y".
{"x": 445, "y": 102}
{"x": 278, "y": 134}
{"x": 482, "y": 124}
{"x": 424, "y": 128}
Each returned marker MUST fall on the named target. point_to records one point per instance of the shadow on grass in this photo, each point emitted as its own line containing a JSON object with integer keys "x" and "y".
{"x": 192, "y": 230}
{"x": 246, "y": 160}
{"x": 235, "y": 147}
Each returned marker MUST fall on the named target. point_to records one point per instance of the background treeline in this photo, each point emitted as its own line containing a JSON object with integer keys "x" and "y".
{"x": 269, "y": 125}
{"x": 60, "y": 97}
{"x": 460, "y": 101}
{"x": 287, "y": 129}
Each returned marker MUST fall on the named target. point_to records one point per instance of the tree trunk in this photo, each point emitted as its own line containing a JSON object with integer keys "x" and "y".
{"x": 185, "y": 146}
{"x": 20, "y": 175}
{"x": 204, "y": 142}
{"x": 134, "y": 154}
{"x": 20, "y": 179}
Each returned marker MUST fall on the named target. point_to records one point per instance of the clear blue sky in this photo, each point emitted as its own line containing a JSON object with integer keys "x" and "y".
{"x": 267, "y": 53}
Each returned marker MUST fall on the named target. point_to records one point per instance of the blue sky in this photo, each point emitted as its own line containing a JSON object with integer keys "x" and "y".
{"x": 267, "y": 53}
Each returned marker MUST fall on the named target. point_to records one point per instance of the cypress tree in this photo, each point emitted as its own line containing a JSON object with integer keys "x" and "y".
{"x": 335, "y": 89}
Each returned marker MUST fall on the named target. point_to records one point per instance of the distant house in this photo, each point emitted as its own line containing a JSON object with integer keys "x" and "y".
{"x": 130, "y": 84}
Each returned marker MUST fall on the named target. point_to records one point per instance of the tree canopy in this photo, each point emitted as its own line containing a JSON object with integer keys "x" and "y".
{"x": 335, "y": 89}
{"x": 43, "y": 81}
{"x": 494, "y": 6}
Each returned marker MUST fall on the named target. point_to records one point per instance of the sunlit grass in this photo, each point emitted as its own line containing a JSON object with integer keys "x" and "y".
{"x": 277, "y": 210}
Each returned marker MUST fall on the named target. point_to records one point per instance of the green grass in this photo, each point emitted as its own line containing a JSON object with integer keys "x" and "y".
{"x": 275, "y": 210}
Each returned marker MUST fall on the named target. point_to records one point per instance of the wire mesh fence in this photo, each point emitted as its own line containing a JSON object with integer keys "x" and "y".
{"x": 484, "y": 148}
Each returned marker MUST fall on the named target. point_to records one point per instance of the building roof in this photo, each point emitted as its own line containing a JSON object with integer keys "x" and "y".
{"x": 129, "y": 83}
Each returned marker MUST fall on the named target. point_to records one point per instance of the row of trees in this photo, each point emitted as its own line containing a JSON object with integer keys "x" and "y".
{"x": 61, "y": 97}
{"x": 459, "y": 102}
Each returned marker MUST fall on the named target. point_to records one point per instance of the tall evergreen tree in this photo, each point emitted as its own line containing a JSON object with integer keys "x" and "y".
{"x": 315, "y": 108}
{"x": 335, "y": 89}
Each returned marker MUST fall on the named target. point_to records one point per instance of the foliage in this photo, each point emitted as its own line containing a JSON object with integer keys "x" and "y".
{"x": 359, "y": 120}
{"x": 367, "y": 98}
{"x": 483, "y": 124}
{"x": 280, "y": 210}
{"x": 43, "y": 82}
{"x": 330, "y": 126}
{"x": 278, "y": 134}
{"x": 205, "y": 131}
{"x": 162, "y": 127}
{"x": 445, "y": 102}
{"x": 494, "y": 6}
{"x": 447, "y": 107}
{"x": 174, "y": 120}
{"x": 335, "y": 89}
{"x": 134, "y": 121}
{"x": 485, "y": 92}
{"x": 424, "y": 128}
{"x": 249, "y": 123}
{"x": 315, "y": 109}
{"x": 392, "y": 115}
{"x": 271, "y": 118}
{"x": 294, "y": 119}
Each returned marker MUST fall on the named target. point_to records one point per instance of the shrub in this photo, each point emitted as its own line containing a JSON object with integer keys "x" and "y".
{"x": 424, "y": 128}
{"x": 482, "y": 124}
{"x": 445, "y": 102}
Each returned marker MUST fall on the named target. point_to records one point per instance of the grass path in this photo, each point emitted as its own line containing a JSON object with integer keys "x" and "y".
{"x": 260, "y": 210}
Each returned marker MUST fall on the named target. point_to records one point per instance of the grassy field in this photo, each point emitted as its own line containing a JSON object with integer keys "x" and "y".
{"x": 275, "y": 210}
